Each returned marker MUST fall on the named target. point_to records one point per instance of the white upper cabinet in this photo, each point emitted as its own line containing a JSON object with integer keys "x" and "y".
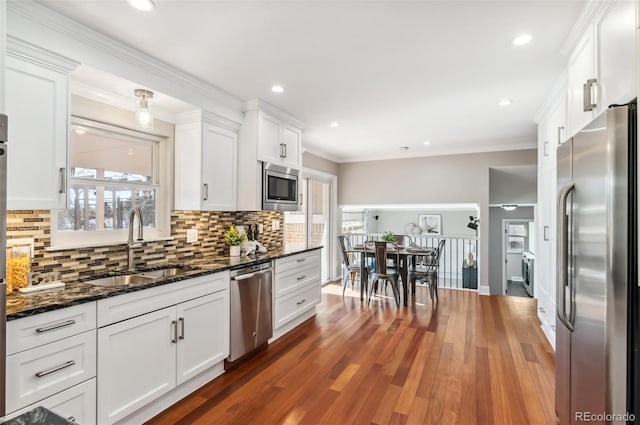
{"x": 617, "y": 54}
{"x": 582, "y": 84}
{"x": 268, "y": 135}
{"x": 37, "y": 103}
{"x": 279, "y": 142}
{"x": 206, "y": 173}
{"x": 602, "y": 67}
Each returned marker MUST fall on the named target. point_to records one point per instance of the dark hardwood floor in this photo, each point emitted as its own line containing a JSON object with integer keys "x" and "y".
{"x": 471, "y": 360}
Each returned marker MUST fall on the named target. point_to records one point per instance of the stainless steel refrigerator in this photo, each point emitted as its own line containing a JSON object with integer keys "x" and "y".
{"x": 3, "y": 244}
{"x": 597, "y": 286}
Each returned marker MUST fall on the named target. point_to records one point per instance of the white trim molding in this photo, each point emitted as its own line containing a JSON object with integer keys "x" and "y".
{"x": 484, "y": 290}
{"x": 36, "y": 55}
{"x": 199, "y": 116}
{"x": 259, "y": 104}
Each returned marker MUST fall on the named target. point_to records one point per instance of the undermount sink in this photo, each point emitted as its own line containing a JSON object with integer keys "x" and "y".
{"x": 120, "y": 280}
{"x": 172, "y": 271}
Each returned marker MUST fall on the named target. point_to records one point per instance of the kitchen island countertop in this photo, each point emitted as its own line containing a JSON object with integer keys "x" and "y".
{"x": 23, "y": 305}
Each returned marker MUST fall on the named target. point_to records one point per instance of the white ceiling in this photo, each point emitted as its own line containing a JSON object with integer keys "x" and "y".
{"x": 392, "y": 73}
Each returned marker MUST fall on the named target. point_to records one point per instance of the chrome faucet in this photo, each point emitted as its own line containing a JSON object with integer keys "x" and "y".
{"x": 136, "y": 212}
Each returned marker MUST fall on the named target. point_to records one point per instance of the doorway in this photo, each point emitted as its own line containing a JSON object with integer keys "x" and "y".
{"x": 312, "y": 226}
{"x": 517, "y": 257}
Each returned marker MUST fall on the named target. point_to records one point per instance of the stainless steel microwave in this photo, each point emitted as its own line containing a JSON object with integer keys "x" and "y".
{"x": 279, "y": 188}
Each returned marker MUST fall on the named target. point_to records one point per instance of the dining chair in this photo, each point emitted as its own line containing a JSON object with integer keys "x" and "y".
{"x": 381, "y": 271}
{"x": 350, "y": 269}
{"x": 428, "y": 273}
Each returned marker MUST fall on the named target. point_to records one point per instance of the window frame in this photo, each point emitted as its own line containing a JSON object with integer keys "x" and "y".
{"x": 61, "y": 239}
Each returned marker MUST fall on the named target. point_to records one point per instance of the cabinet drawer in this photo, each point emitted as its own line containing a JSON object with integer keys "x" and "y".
{"x": 77, "y": 404}
{"x": 35, "y": 374}
{"x": 289, "y": 307}
{"x": 298, "y": 260}
{"x": 292, "y": 280}
{"x": 123, "y": 307}
{"x": 40, "y": 329}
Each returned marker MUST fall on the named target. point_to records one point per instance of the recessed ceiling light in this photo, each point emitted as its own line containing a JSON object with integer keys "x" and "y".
{"x": 334, "y": 124}
{"x": 404, "y": 148}
{"x": 277, "y": 89}
{"x": 427, "y": 143}
{"x": 522, "y": 39}
{"x": 143, "y": 5}
{"x": 505, "y": 102}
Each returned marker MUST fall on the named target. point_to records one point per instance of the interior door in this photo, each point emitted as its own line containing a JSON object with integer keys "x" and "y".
{"x": 319, "y": 222}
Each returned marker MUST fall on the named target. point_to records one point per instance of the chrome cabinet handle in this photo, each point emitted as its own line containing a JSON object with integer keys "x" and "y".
{"x": 55, "y": 369}
{"x": 205, "y": 190}
{"x": 63, "y": 180}
{"x": 563, "y": 248}
{"x": 301, "y": 277}
{"x": 174, "y": 326}
{"x": 56, "y": 326}
{"x": 545, "y": 233}
{"x": 302, "y": 301}
{"x": 181, "y": 320}
{"x": 542, "y": 310}
{"x": 284, "y": 146}
{"x": 587, "y": 93}
{"x": 281, "y": 150}
{"x": 72, "y": 419}
{"x": 546, "y": 149}
{"x": 560, "y": 134}
{"x": 300, "y": 260}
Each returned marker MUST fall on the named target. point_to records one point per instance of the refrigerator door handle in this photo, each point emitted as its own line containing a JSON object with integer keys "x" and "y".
{"x": 563, "y": 253}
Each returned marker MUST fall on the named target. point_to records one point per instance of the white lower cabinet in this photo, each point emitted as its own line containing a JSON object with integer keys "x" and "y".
{"x": 202, "y": 334}
{"x": 35, "y": 374}
{"x": 145, "y": 357}
{"x": 297, "y": 290}
{"x": 136, "y": 363}
{"x": 77, "y": 404}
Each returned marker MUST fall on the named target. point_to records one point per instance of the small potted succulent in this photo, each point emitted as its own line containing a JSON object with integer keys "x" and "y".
{"x": 234, "y": 239}
{"x": 388, "y": 236}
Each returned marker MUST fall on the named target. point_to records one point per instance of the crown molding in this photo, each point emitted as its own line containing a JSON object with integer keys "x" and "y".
{"x": 559, "y": 88}
{"x": 201, "y": 116}
{"x": 65, "y": 26}
{"x": 259, "y": 104}
{"x": 585, "y": 20}
{"x": 36, "y": 55}
{"x": 319, "y": 154}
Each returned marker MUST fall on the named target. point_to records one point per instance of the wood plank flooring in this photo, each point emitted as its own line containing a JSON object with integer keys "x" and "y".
{"x": 471, "y": 360}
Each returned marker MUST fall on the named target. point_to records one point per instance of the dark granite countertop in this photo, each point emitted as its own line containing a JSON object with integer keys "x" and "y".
{"x": 38, "y": 416}
{"x": 22, "y": 305}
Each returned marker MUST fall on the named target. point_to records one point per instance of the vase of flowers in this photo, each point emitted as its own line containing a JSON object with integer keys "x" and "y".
{"x": 388, "y": 236}
{"x": 234, "y": 239}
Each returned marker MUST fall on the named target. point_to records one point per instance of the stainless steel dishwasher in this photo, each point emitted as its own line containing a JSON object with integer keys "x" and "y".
{"x": 251, "y": 320}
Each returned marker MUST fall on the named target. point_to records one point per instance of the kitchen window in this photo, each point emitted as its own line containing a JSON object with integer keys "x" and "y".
{"x": 111, "y": 171}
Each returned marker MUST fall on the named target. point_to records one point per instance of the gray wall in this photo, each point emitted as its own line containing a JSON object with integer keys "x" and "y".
{"x": 435, "y": 179}
{"x": 513, "y": 185}
{"x": 317, "y": 163}
{"x": 496, "y": 215}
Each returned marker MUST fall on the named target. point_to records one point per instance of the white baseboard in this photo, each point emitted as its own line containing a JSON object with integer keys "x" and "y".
{"x": 277, "y": 333}
{"x": 484, "y": 290}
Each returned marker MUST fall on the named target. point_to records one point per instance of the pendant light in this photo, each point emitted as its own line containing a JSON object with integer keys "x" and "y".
{"x": 144, "y": 117}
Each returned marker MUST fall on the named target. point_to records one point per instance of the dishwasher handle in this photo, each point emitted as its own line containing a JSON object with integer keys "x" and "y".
{"x": 250, "y": 275}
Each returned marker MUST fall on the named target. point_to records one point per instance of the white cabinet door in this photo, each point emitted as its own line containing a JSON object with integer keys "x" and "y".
{"x": 37, "y": 104}
{"x": 292, "y": 141}
{"x": 76, "y": 404}
{"x": 581, "y": 70}
{"x": 269, "y": 139}
{"x": 188, "y": 190}
{"x": 617, "y": 54}
{"x": 219, "y": 168}
{"x": 203, "y": 334}
{"x": 136, "y": 363}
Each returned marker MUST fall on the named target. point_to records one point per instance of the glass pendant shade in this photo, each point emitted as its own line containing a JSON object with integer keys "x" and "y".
{"x": 144, "y": 116}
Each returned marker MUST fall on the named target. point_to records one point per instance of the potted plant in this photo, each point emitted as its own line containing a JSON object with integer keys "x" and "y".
{"x": 388, "y": 236}
{"x": 234, "y": 239}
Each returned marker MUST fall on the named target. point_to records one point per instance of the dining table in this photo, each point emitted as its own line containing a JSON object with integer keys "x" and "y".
{"x": 405, "y": 255}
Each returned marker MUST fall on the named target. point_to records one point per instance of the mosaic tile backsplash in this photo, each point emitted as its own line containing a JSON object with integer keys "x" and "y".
{"x": 84, "y": 262}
